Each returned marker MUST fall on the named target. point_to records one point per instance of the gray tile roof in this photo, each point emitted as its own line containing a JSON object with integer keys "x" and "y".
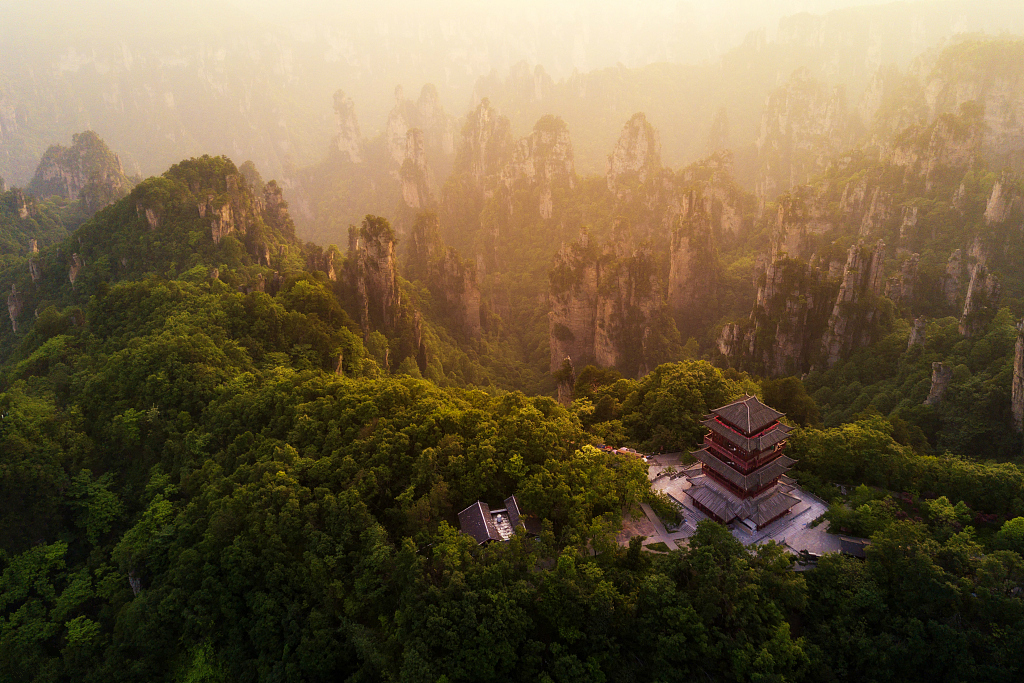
{"x": 727, "y": 507}
{"x": 775, "y": 435}
{"x": 512, "y": 505}
{"x": 484, "y": 524}
{"x": 476, "y": 521}
{"x": 748, "y": 482}
{"x": 748, "y": 414}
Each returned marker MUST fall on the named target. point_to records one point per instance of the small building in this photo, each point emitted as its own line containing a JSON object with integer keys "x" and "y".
{"x": 854, "y": 546}
{"x": 741, "y": 472}
{"x": 486, "y": 525}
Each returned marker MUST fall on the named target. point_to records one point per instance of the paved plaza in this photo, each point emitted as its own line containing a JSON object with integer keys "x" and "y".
{"x": 793, "y": 530}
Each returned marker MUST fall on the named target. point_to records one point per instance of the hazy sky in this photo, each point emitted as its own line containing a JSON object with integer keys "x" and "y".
{"x": 600, "y": 32}
{"x": 256, "y": 78}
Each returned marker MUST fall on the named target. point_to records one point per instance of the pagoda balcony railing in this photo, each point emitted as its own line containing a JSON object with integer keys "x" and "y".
{"x": 735, "y": 457}
{"x": 731, "y": 457}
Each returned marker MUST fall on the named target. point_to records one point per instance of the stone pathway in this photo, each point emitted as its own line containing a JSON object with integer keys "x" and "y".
{"x": 794, "y": 530}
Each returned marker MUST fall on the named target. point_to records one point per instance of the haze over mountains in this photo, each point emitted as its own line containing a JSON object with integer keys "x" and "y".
{"x": 289, "y": 286}
{"x": 255, "y": 81}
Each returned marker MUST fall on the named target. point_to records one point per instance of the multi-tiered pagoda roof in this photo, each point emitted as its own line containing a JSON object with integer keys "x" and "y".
{"x": 742, "y": 466}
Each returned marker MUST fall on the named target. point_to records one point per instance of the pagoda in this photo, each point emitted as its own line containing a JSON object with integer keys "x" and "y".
{"x": 740, "y": 474}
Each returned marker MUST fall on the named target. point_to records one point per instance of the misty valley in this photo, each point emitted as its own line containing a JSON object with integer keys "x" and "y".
{"x": 702, "y": 364}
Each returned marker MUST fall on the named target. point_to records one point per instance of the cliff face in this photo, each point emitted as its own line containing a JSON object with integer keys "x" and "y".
{"x": 948, "y": 145}
{"x": 1017, "y": 391}
{"x": 500, "y": 192}
{"x": 942, "y": 375}
{"x": 604, "y": 304}
{"x": 485, "y": 146}
{"x": 228, "y": 212}
{"x": 803, "y": 123}
{"x": 451, "y": 280}
{"x": 349, "y": 141}
{"x": 986, "y": 74}
{"x": 414, "y": 174}
{"x": 981, "y": 301}
{"x": 573, "y": 304}
{"x": 374, "y": 274}
{"x": 802, "y": 215}
{"x": 86, "y": 170}
{"x": 636, "y": 157}
{"x": 849, "y": 325}
{"x": 810, "y": 314}
{"x": 900, "y": 287}
{"x": 693, "y": 268}
{"x": 1004, "y": 202}
{"x": 952, "y": 277}
{"x": 783, "y": 333}
{"x": 543, "y": 160}
{"x": 659, "y": 201}
{"x": 14, "y": 305}
{"x": 436, "y": 139}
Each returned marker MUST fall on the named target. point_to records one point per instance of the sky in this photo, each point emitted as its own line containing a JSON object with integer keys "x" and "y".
{"x": 244, "y": 76}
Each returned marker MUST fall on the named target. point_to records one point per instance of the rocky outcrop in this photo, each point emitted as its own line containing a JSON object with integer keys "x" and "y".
{"x": 808, "y": 312}
{"x": 1017, "y": 391}
{"x": 14, "y": 305}
{"x": 942, "y": 375}
{"x": 456, "y": 282}
{"x": 86, "y": 170}
{"x": 349, "y": 142}
{"x": 783, "y": 333}
{"x": 75, "y": 268}
{"x": 693, "y": 270}
{"x": 427, "y": 115}
{"x": 917, "y": 333}
{"x": 275, "y": 210}
{"x": 414, "y": 173}
{"x": 324, "y": 261}
{"x": 150, "y": 214}
{"x": 879, "y": 213}
{"x": 486, "y": 145}
{"x": 25, "y": 206}
{"x": 803, "y": 213}
{"x": 222, "y": 221}
{"x": 419, "y": 347}
{"x": 232, "y": 211}
{"x": 950, "y": 142}
{"x": 33, "y": 270}
{"x": 849, "y": 325}
{"x": 908, "y": 224}
{"x": 951, "y": 280}
{"x": 636, "y": 157}
{"x": 573, "y": 304}
{"x": 565, "y": 382}
{"x": 802, "y": 124}
{"x": 602, "y": 300}
{"x": 452, "y": 281}
{"x": 900, "y": 287}
{"x": 542, "y": 159}
{"x": 981, "y": 302}
{"x": 374, "y": 274}
{"x": 1003, "y": 201}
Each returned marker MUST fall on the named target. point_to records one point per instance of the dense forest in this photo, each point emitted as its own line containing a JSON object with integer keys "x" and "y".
{"x": 239, "y": 418}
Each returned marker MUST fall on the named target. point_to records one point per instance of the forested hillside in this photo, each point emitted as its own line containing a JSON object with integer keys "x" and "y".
{"x": 212, "y": 471}
{"x": 228, "y": 453}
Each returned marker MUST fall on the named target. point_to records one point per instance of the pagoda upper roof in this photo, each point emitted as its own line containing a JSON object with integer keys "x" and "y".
{"x": 748, "y": 415}
{"x": 749, "y": 444}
